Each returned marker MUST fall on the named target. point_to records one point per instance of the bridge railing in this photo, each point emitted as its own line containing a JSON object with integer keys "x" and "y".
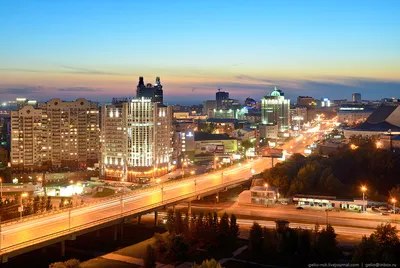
{"x": 74, "y": 229}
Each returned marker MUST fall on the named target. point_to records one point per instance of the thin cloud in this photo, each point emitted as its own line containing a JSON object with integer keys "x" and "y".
{"x": 77, "y": 70}
{"x": 21, "y": 70}
{"x": 19, "y": 91}
{"x": 78, "y": 89}
{"x": 254, "y": 79}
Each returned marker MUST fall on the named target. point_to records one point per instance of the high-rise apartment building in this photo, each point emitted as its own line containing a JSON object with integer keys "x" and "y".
{"x": 275, "y": 110}
{"x": 26, "y": 138}
{"x": 356, "y": 97}
{"x": 136, "y": 140}
{"x": 56, "y": 134}
{"x": 154, "y": 92}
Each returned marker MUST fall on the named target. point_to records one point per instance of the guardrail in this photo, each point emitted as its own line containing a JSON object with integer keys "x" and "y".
{"x": 72, "y": 230}
{"x": 111, "y": 198}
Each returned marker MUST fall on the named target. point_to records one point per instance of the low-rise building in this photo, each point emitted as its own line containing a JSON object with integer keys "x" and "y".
{"x": 245, "y": 134}
{"x": 269, "y": 131}
{"x": 353, "y": 114}
{"x": 384, "y": 120}
{"x": 259, "y": 195}
{"x": 220, "y": 144}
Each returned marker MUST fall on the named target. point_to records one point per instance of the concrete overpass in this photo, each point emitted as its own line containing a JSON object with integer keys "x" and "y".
{"x": 30, "y": 233}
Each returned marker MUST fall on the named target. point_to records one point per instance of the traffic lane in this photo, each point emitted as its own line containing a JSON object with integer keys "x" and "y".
{"x": 265, "y": 213}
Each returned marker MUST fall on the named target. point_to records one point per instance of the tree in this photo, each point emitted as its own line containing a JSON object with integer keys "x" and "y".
{"x": 233, "y": 229}
{"x": 150, "y": 258}
{"x": 326, "y": 246}
{"x": 62, "y": 202}
{"x": 395, "y": 192}
{"x": 199, "y": 230}
{"x": 366, "y": 251}
{"x": 381, "y": 246}
{"x": 246, "y": 145}
{"x": 386, "y": 235}
{"x": 72, "y": 263}
{"x": 170, "y": 224}
{"x": 42, "y": 206}
{"x": 223, "y": 230}
{"x": 49, "y": 205}
{"x": 178, "y": 225}
{"x": 208, "y": 264}
{"x": 208, "y": 128}
{"x": 36, "y": 204}
{"x": 177, "y": 247}
{"x": 256, "y": 238}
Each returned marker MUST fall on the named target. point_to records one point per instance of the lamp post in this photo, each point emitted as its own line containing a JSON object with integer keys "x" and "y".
{"x": 363, "y": 190}
{"x": 162, "y": 189}
{"x": 21, "y": 208}
{"x": 195, "y": 185}
{"x": 184, "y": 164}
{"x": 162, "y": 193}
{"x": 327, "y": 217}
{"x": 266, "y": 192}
{"x": 1, "y": 189}
{"x": 394, "y": 205}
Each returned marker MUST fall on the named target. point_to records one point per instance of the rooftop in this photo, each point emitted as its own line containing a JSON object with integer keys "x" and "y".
{"x": 385, "y": 118}
{"x": 222, "y": 120}
{"x": 203, "y": 136}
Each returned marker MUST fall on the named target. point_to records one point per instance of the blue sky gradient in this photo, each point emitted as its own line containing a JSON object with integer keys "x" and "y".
{"x": 245, "y": 47}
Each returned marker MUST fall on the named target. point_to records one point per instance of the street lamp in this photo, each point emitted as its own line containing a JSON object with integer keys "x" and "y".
{"x": 192, "y": 172}
{"x": 394, "y": 205}
{"x": 71, "y": 181}
{"x": 21, "y": 208}
{"x": 363, "y": 190}
{"x": 215, "y": 162}
{"x": 252, "y": 171}
{"x": 266, "y": 192}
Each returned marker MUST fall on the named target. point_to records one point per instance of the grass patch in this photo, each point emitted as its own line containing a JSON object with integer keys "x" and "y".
{"x": 137, "y": 250}
{"x": 106, "y": 192}
{"x": 105, "y": 263}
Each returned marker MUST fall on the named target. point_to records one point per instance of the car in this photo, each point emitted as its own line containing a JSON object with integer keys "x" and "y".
{"x": 385, "y": 213}
{"x": 299, "y": 208}
{"x": 284, "y": 203}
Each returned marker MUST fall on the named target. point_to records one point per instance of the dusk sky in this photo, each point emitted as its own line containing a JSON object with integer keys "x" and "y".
{"x": 98, "y": 49}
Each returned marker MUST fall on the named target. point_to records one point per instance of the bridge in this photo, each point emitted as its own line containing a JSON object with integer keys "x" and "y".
{"x": 34, "y": 232}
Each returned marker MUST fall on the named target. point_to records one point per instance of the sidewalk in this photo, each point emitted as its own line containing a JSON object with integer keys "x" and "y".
{"x": 131, "y": 260}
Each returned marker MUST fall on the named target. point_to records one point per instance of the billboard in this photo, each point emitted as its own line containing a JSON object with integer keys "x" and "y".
{"x": 272, "y": 152}
{"x": 214, "y": 148}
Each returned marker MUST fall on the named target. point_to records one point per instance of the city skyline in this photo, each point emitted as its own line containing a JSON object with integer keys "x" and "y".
{"x": 98, "y": 51}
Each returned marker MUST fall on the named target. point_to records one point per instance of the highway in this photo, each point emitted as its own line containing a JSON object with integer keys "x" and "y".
{"x": 19, "y": 234}
{"x": 307, "y": 216}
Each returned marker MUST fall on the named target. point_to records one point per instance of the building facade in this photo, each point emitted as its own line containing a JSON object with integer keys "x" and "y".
{"x": 275, "y": 110}
{"x": 136, "y": 140}
{"x": 298, "y": 115}
{"x": 220, "y": 96}
{"x": 57, "y": 134}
